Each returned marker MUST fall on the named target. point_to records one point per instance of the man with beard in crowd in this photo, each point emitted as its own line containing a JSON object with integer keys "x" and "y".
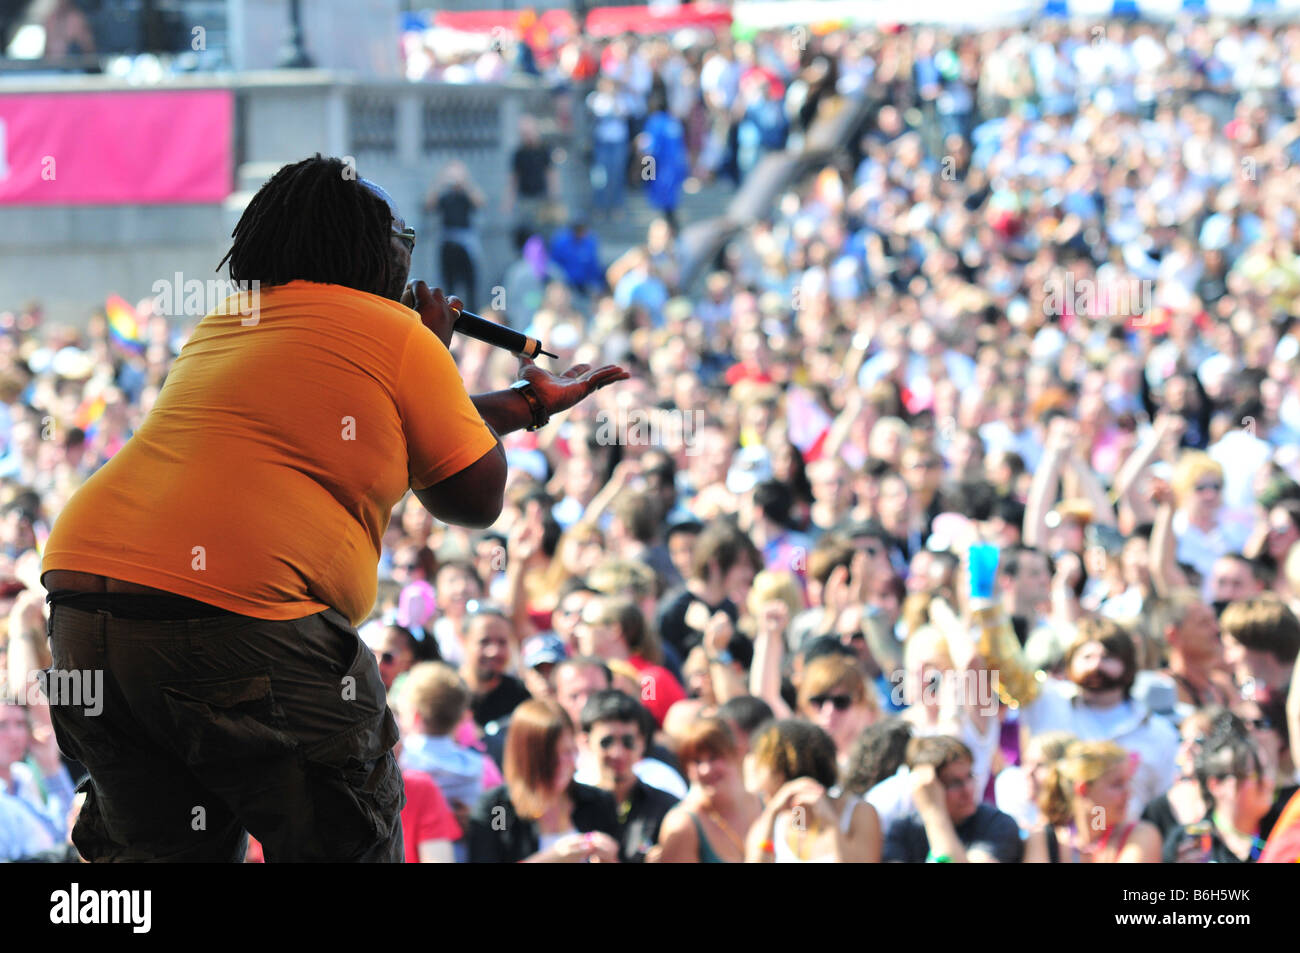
{"x": 1094, "y": 702}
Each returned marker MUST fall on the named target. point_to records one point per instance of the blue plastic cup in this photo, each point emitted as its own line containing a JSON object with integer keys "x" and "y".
{"x": 983, "y": 570}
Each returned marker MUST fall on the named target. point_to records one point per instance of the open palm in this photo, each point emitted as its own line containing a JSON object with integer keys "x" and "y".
{"x": 559, "y": 392}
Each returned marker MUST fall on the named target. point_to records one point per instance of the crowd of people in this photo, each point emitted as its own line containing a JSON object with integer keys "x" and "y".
{"x": 702, "y": 106}
{"x": 955, "y": 520}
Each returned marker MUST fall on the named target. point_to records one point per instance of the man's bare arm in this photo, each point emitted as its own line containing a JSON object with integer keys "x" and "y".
{"x": 472, "y": 497}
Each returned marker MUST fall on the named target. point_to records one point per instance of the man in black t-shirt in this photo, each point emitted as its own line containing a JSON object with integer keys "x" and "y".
{"x": 616, "y": 729}
{"x": 532, "y": 176}
{"x": 493, "y": 694}
{"x": 724, "y": 561}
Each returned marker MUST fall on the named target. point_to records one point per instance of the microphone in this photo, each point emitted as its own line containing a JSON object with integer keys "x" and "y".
{"x": 508, "y": 339}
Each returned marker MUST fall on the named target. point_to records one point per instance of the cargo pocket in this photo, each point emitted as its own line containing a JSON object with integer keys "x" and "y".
{"x": 90, "y": 833}
{"x": 339, "y": 649}
{"x": 356, "y": 787}
{"x": 221, "y": 722}
{"x": 329, "y": 640}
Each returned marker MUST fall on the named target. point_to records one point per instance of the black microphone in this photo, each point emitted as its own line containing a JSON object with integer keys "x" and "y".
{"x": 471, "y": 325}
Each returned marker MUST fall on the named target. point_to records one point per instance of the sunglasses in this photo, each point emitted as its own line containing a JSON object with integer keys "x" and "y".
{"x": 406, "y": 566}
{"x": 387, "y": 658}
{"x": 841, "y": 702}
{"x": 1204, "y": 487}
{"x": 627, "y": 741}
{"x": 406, "y": 236}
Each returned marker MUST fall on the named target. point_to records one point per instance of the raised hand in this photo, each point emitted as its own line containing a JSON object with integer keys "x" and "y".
{"x": 717, "y": 634}
{"x": 559, "y": 392}
{"x": 837, "y": 592}
{"x": 773, "y": 618}
{"x": 859, "y": 578}
{"x": 1068, "y": 568}
{"x": 808, "y": 798}
{"x": 1160, "y": 492}
{"x": 927, "y": 792}
{"x": 1170, "y": 427}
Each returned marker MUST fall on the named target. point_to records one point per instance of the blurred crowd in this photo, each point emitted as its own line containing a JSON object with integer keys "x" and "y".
{"x": 953, "y": 519}
{"x": 707, "y": 107}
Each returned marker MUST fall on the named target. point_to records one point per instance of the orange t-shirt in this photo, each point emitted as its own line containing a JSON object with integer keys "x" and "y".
{"x": 263, "y": 478}
{"x": 1284, "y": 839}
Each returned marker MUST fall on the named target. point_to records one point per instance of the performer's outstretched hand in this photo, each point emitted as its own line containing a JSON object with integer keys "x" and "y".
{"x": 561, "y": 391}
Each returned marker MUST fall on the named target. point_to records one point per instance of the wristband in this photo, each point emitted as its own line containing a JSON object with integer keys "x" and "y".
{"x": 932, "y": 858}
{"x": 535, "y": 408}
{"x": 767, "y": 847}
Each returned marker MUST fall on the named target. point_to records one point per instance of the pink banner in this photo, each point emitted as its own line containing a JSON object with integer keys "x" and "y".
{"x": 485, "y": 21}
{"x": 611, "y": 21}
{"x": 115, "y": 148}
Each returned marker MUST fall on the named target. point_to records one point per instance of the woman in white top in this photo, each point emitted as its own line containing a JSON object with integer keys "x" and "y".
{"x": 1204, "y": 527}
{"x": 793, "y": 766}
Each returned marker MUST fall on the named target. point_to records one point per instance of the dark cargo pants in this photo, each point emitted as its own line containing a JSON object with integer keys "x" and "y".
{"x": 211, "y": 728}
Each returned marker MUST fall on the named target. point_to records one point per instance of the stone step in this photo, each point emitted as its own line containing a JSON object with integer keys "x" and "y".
{"x": 710, "y": 201}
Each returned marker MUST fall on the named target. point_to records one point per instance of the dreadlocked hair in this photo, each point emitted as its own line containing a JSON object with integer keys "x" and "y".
{"x": 1228, "y": 751}
{"x": 313, "y": 221}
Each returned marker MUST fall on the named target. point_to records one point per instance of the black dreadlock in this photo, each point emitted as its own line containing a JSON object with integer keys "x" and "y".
{"x": 1227, "y": 751}
{"x": 314, "y": 221}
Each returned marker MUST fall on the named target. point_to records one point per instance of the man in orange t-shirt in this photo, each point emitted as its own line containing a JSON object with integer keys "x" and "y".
{"x": 214, "y": 568}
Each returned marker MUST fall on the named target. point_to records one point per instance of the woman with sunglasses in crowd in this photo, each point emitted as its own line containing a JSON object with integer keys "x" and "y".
{"x": 541, "y": 815}
{"x": 1085, "y": 799}
{"x": 1237, "y": 783}
{"x": 1203, "y": 526}
{"x": 710, "y": 825}
{"x": 834, "y": 695}
{"x": 793, "y": 766}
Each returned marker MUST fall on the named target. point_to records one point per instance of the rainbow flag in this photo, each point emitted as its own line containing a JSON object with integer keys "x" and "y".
{"x": 89, "y": 413}
{"x": 124, "y": 326}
